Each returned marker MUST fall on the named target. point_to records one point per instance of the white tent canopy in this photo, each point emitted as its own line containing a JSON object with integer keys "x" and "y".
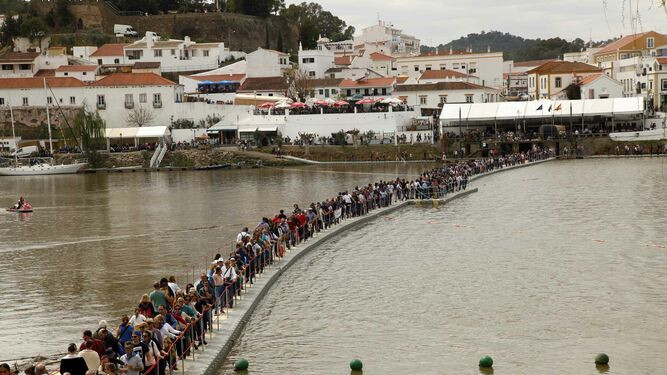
{"x": 142, "y": 132}
{"x": 540, "y": 109}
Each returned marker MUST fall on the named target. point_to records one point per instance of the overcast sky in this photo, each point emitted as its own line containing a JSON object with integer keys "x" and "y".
{"x": 439, "y": 21}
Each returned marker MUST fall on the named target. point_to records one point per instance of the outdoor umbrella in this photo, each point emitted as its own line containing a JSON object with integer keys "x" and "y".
{"x": 321, "y": 102}
{"x": 267, "y": 105}
{"x": 366, "y": 101}
{"x": 298, "y": 105}
{"x": 340, "y": 103}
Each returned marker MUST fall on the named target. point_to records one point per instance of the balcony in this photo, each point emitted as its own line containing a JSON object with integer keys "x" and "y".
{"x": 101, "y": 105}
{"x": 129, "y": 105}
{"x": 157, "y": 104}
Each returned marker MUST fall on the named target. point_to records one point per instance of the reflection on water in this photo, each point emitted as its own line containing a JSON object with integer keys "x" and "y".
{"x": 95, "y": 243}
{"x": 542, "y": 269}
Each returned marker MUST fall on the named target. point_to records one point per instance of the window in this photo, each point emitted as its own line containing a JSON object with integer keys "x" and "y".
{"x": 116, "y": 61}
{"x": 357, "y": 91}
{"x": 311, "y": 74}
{"x": 428, "y": 67}
{"x": 157, "y": 99}
{"x": 25, "y": 101}
{"x": 129, "y": 99}
{"x": 559, "y": 82}
{"x": 72, "y": 100}
{"x": 84, "y": 73}
{"x": 25, "y": 67}
{"x": 650, "y": 42}
{"x": 326, "y": 93}
{"x": 384, "y": 91}
{"x": 49, "y": 100}
{"x": 366, "y": 92}
{"x": 66, "y": 74}
{"x": 142, "y": 98}
{"x": 664, "y": 85}
{"x": 443, "y": 66}
{"x": 173, "y": 52}
{"x": 469, "y": 98}
{"x": 205, "y": 52}
{"x": 2, "y": 101}
{"x": 349, "y": 92}
{"x": 416, "y": 68}
{"x": 8, "y": 67}
{"x": 308, "y": 60}
{"x": 321, "y": 91}
{"x": 456, "y": 65}
{"x": 99, "y": 61}
{"x": 101, "y": 103}
{"x": 157, "y": 53}
{"x": 443, "y": 99}
{"x": 334, "y": 91}
{"x": 422, "y": 99}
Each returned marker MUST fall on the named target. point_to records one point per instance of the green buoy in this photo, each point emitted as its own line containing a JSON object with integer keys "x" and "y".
{"x": 241, "y": 365}
{"x": 601, "y": 359}
{"x": 356, "y": 365}
{"x": 486, "y": 362}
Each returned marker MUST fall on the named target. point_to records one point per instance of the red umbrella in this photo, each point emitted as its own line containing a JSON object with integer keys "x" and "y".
{"x": 267, "y": 105}
{"x": 321, "y": 102}
{"x": 340, "y": 103}
{"x": 366, "y": 101}
{"x": 298, "y": 105}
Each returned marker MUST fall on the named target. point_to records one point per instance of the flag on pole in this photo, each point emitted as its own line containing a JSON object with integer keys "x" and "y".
{"x": 558, "y": 108}
{"x": 549, "y": 108}
{"x": 539, "y": 108}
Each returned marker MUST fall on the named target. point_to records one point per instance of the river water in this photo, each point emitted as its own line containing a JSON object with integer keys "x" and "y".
{"x": 542, "y": 269}
{"x": 97, "y": 242}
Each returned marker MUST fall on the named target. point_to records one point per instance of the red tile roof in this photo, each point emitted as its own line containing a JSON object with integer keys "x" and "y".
{"x": 133, "y": 79}
{"x": 343, "y": 60}
{"x": 45, "y": 73}
{"x": 146, "y": 65}
{"x": 662, "y": 60}
{"x": 76, "y": 68}
{"x": 442, "y": 74}
{"x": 618, "y": 44}
{"x": 111, "y": 49}
{"x": 442, "y": 86}
{"x": 219, "y": 77}
{"x": 38, "y": 82}
{"x": 529, "y": 63}
{"x": 368, "y": 82}
{"x": 263, "y": 84}
{"x": 562, "y": 67}
{"x": 401, "y": 79}
{"x": 376, "y": 56}
{"x": 586, "y": 80}
{"x": 18, "y": 57}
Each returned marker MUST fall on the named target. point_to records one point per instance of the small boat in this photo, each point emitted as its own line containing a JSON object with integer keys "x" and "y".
{"x": 41, "y": 169}
{"x": 23, "y": 209}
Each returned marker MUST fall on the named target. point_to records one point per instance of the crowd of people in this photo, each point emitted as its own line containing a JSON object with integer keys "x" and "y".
{"x": 172, "y": 321}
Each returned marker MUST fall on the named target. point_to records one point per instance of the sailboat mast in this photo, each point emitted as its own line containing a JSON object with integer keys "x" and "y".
{"x": 16, "y": 146}
{"x": 48, "y": 117}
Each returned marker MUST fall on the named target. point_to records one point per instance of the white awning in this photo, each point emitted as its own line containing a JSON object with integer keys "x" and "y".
{"x": 483, "y": 111}
{"x": 452, "y": 112}
{"x": 152, "y": 132}
{"x": 121, "y": 132}
{"x": 629, "y": 105}
{"x": 539, "y": 108}
{"x": 511, "y": 110}
{"x": 598, "y": 107}
{"x": 265, "y": 129}
{"x": 222, "y": 127}
{"x": 563, "y": 108}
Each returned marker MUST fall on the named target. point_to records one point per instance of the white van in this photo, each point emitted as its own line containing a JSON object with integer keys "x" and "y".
{"x": 124, "y": 30}
{"x": 24, "y": 152}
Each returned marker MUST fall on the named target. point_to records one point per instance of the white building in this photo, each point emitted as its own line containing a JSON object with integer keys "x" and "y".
{"x": 351, "y": 73}
{"x": 383, "y": 64}
{"x": 264, "y": 87}
{"x": 446, "y": 75}
{"x": 85, "y": 73}
{"x": 587, "y": 56}
{"x": 108, "y": 54}
{"x": 27, "y": 64}
{"x": 327, "y": 88}
{"x": 599, "y": 86}
{"x": 434, "y": 95}
{"x": 555, "y": 76}
{"x": 84, "y": 52}
{"x": 315, "y": 63}
{"x": 176, "y": 55}
{"x": 368, "y": 87}
{"x": 396, "y": 42}
{"x": 266, "y": 63}
{"x": 488, "y": 67}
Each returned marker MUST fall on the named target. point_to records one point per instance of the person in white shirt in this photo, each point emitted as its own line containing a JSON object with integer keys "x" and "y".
{"x": 137, "y": 318}
{"x": 173, "y": 286}
{"x": 165, "y": 328}
{"x": 90, "y": 356}
{"x": 132, "y": 360}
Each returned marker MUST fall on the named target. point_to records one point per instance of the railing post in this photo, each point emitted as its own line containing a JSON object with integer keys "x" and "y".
{"x": 182, "y": 356}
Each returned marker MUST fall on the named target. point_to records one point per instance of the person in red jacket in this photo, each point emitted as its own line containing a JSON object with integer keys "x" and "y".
{"x": 98, "y": 346}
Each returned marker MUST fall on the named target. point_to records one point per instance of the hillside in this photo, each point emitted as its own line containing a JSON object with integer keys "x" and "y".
{"x": 515, "y": 47}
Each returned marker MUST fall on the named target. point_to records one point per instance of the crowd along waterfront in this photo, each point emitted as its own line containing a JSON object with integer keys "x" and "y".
{"x": 253, "y": 252}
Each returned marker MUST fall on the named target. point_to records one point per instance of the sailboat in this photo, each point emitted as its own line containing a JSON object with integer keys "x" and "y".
{"x": 40, "y": 168}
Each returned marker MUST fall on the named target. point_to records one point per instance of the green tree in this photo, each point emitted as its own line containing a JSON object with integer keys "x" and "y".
{"x": 89, "y": 130}
{"x": 8, "y": 7}
{"x": 32, "y": 28}
{"x": 573, "y": 92}
{"x": 62, "y": 17}
{"x": 10, "y": 30}
{"x": 313, "y": 22}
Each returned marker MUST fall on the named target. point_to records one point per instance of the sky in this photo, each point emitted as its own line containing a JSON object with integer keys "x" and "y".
{"x": 440, "y": 21}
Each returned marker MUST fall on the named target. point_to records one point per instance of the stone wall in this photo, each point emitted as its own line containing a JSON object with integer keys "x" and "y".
{"x": 238, "y": 31}
{"x": 30, "y": 122}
